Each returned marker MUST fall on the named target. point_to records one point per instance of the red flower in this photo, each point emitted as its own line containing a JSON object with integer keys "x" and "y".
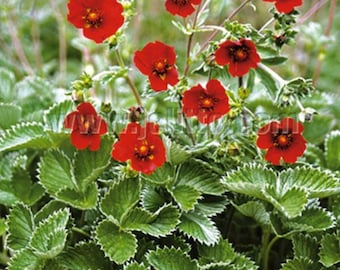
{"x": 87, "y": 127}
{"x": 207, "y": 104}
{"x": 283, "y": 140}
{"x": 99, "y": 19}
{"x": 239, "y": 55}
{"x": 182, "y": 8}
{"x": 157, "y": 60}
{"x": 285, "y": 6}
{"x": 142, "y": 146}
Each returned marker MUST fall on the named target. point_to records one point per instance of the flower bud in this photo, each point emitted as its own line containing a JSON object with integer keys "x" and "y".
{"x": 135, "y": 113}
{"x": 306, "y": 115}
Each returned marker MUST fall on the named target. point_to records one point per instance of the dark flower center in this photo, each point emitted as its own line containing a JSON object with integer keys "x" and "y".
{"x": 160, "y": 68}
{"x": 144, "y": 151}
{"x": 207, "y": 102}
{"x": 180, "y": 2}
{"x": 282, "y": 139}
{"x": 87, "y": 124}
{"x": 93, "y": 18}
{"x": 239, "y": 53}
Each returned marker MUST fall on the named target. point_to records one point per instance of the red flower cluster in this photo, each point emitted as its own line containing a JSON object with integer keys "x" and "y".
{"x": 142, "y": 146}
{"x": 240, "y": 55}
{"x": 99, "y": 19}
{"x": 182, "y": 8}
{"x": 87, "y": 127}
{"x": 283, "y": 140}
{"x": 285, "y": 6}
{"x": 207, "y": 104}
{"x": 157, "y": 61}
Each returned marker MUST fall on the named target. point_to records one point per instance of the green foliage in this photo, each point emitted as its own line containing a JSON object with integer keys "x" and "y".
{"x": 118, "y": 245}
{"x": 63, "y": 208}
{"x": 330, "y": 250}
{"x": 288, "y": 191}
{"x": 170, "y": 259}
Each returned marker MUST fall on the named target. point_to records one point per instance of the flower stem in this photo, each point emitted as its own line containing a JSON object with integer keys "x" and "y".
{"x": 267, "y": 248}
{"x": 128, "y": 79}
{"x": 189, "y": 44}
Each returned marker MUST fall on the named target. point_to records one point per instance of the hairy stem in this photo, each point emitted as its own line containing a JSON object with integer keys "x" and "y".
{"x": 266, "y": 250}
{"x": 128, "y": 79}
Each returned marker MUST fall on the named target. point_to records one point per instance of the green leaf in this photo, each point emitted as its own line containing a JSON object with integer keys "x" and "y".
{"x": 161, "y": 223}
{"x": 288, "y": 190}
{"x": 317, "y": 183}
{"x": 152, "y": 200}
{"x": 332, "y": 147}
{"x": 316, "y": 131}
{"x": 56, "y": 172}
{"x": 20, "y": 227}
{"x": 88, "y": 165}
{"x": 274, "y": 60}
{"x": 192, "y": 174}
{"x": 290, "y": 202}
{"x": 120, "y": 199}
{"x": 118, "y": 245}
{"x": 211, "y": 205}
{"x": 268, "y": 81}
{"x": 7, "y": 194}
{"x": 24, "y": 188}
{"x": 77, "y": 258}
{"x": 220, "y": 252}
{"x": 135, "y": 266}
{"x": 199, "y": 227}
{"x": 54, "y": 116}
{"x": 175, "y": 154}
{"x": 185, "y": 196}
{"x": 25, "y": 135}
{"x": 305, "y": 245}
{"x": 330, "y": 250}
{"x": 254, "y": 210}
{"x": 170, "y": 259}
{"x": 162, "y": 175}
{"x": 47, "y": 210}
{"x": 80, "y": 200}
{"x": 48, "y": 239}
{"x": 3, "y": 227}
{"x": 7, "y": 81}
{"x": 300, "y": 264}
{"x": 250, "y": 180}
{"x": 25, "y": 259}
{"x": 9, "y": 115}
{"x": 313, "y": 220}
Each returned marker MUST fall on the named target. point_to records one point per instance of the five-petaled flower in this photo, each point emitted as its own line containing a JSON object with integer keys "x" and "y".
{"x": 240, "y": 55}
{"x": 285, "y": 6}
{"x": 142, "y": 146}
{"x": 99, "y": 19}
{"x": 157, "y": 61}
{"x": 283, "y": 140}
{"x": 182, "y": 8}
{"x": 207, "y": 104}
{"x": 87, "y": 127}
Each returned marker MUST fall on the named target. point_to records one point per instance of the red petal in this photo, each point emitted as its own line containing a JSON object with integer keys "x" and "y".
{"x": 222, "y": 56}
{"x": 71, "y": 120}
{"x": 290, "y": 124}
{"x": 274, "y": 155}
{"x": 80, "y": 141}
{"x": 156, "y": 83}
{"x": 86, "y": 108}
{"x": 94, "y": 142}
{"x": 191, "y": 100}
